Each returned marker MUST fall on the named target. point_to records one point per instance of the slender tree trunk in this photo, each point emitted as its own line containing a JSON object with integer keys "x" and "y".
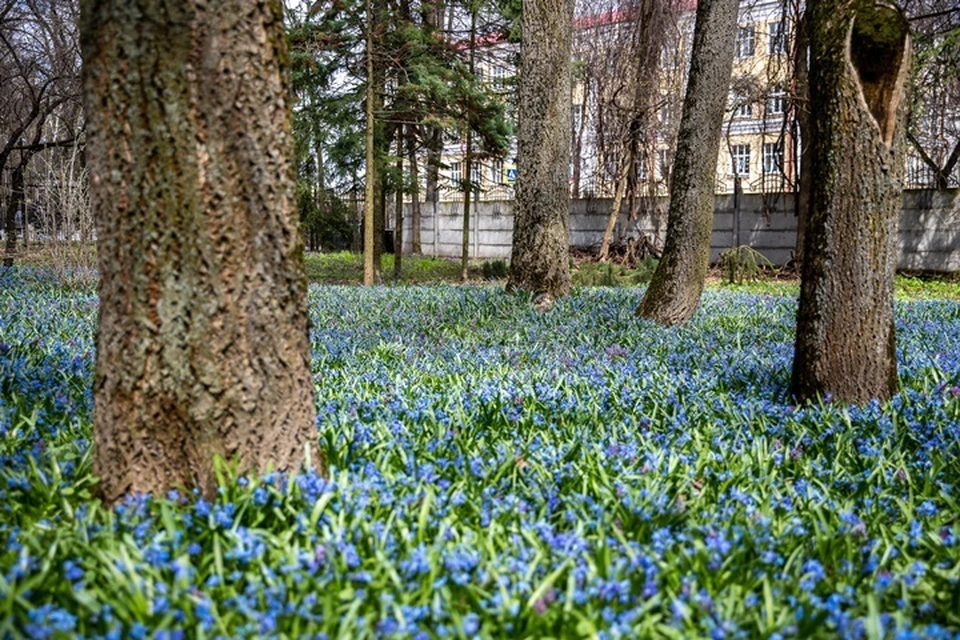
{"x": 617, "y": 206}
{"x": 398, "y": 214}
{"x": 467, "y": 194}
{"x": 468, "y": 162}
{"x": 858, "y": 84}
{"x": 540, "y": 255}
{"x": 203, "y": 345}
{"x": 674, "y": 291}
{"x": 802, "y": 107}
{"x": 369, "y": 185}
{"x": 379, "y": 216}
{"x": 578, "y": 140}
{"x": 414, "y": 193}
{"x": 14, "y": 205}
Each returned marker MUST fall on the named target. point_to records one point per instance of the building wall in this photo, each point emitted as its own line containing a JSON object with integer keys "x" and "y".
{"x": 929, "y": 227}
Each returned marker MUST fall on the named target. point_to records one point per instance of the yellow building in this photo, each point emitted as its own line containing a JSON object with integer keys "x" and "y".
{"x": 758, "y": 149}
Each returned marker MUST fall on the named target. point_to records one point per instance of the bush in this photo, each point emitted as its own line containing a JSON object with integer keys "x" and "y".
{"x": 495, "y": 270}
{"x": 742, "y": 264}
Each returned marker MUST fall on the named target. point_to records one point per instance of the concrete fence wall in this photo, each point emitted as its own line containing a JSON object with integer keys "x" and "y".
{"x": 929, "y": 227}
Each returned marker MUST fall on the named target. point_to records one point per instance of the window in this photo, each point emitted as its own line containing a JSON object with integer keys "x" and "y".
{"x": 773, "y": 157}
{"x": 476, "y": 175}
{"x": 663, "y": 164}
{"x": 496, "y": 172}
{"x": 741, "y": 106}
{"x": 777, "y": 38}
{"x": 610, "y": 163}
{"x": 746, "y": 40}
{"x": 456, "y": 174}
{"x": 498, "y": 76}
{"x": 775, "y": 102}
{"x": 641, "y": 166}
{"x": 740, "y": 159}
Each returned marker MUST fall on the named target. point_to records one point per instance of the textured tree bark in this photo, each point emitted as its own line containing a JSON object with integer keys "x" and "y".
{"x": 860, "y": 52}
{"x": 203, "y": 348}
{"x": 540, "y": 256}
{"x": 674, "y": 292}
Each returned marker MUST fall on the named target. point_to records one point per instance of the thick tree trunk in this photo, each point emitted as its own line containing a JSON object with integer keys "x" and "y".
{"x": 203, "y": 345}
{"x": 540, "y": 255}
{"x": 674, "y": 291}
{"x": 845, "y": 330}
{"x": 416, "y": 248}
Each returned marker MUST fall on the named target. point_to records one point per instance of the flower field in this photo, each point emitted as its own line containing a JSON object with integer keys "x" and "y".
{"x": 502, "y": 473}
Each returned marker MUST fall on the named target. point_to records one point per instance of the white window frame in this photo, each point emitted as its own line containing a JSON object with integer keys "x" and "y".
{"x": 772, "y": 158}
{"x": 496, "y": 172}
{"x": 498, "y": 76}
{"x": 476, "y": 175}
{"x": 776, "y": 38}
{"x": 664, "y": 164}
{"x": 740, "y": 160}
{"x": 746, "y": 42}
{"x": 776, "y": 102}
{"x": 456, "y": 174}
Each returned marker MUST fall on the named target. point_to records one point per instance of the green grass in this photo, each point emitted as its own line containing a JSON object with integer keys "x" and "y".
{"x": 347, "y": 268}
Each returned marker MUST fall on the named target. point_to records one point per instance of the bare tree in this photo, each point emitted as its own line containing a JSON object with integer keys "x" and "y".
{"x": 39, "y": 70}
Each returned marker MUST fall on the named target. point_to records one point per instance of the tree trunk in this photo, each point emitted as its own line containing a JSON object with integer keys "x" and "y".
{"x": 468, "y": 162}
{"x": 414, "y": 193}
{"x": 369, "y": 182}
{"x": 578, "y": 140}
{"x": 15, "y": 205}
{"x": 617, "y": 205}
{"x": 398, "y": 214}
{"x": 434, "y": 152}
{"x": 379, "y": 217}
{"x": 203, "y": 346}
{"x": 802, "y": 107}
{"x": 467, "y": 193}
{"x": 674, "y": 291}
{"x": 858, "y": 85}
{"x": 540, "y": 256}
